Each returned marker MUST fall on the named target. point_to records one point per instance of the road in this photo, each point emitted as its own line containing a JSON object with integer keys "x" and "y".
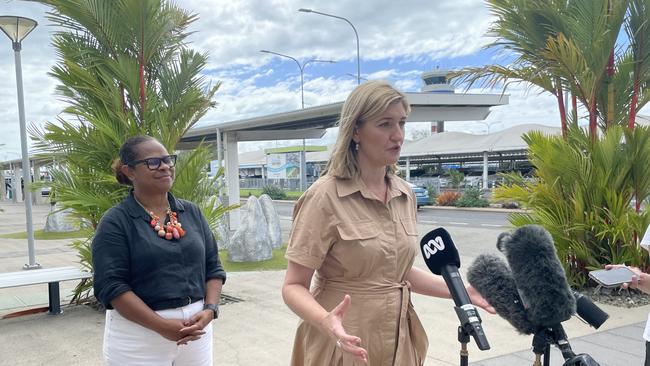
{"x": 438, "y": 216}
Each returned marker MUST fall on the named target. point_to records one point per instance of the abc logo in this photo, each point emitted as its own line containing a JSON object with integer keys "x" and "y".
{"x": 432, "y": 247}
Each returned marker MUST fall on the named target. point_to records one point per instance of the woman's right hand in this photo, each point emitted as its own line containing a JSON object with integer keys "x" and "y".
{"x": 333, "y": 324}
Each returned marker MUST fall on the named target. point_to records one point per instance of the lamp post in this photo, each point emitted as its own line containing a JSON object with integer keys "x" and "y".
{"x": 17, "y": 28}
{"x": 303, "y": 10}
{"x": 302, "y": 71}
{"x": 303, "y": 161}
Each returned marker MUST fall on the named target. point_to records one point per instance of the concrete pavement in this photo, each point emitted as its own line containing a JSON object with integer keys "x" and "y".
{"x": 259, "y": 329}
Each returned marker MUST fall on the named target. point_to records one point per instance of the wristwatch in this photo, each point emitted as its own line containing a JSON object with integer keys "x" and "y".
{"x": 214, "y": 308}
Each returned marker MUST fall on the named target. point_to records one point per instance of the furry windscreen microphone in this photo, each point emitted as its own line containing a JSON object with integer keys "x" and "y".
{"x": 538, "y": 274}
{"x": 491, "y": 277}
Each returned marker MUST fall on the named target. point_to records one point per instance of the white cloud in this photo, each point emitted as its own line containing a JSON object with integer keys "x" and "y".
{"x": 398, "y": 41}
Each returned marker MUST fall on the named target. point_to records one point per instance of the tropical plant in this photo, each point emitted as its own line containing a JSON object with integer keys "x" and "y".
{"x": 447, "y": 198}
{"x": 571, "y": 46}
{"x": 456, "y": 178}
{"x": 586, "y": 181}
{"x": 582, "y": 196}
{"x": 124, "y": 70}
{"x": 472, "y": 197}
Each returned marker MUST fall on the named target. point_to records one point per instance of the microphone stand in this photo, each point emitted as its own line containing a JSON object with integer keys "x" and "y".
{"x": 542, "y": 341}
{"x": 465, "y": 329}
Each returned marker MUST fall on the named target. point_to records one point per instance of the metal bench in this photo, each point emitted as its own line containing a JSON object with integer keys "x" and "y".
{"x": 51, "y": 276}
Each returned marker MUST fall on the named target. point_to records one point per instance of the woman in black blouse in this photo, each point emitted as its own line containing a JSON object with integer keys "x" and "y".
{"x": 156, "y": 267}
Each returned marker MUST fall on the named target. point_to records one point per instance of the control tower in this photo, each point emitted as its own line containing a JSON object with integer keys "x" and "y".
{"x": 436, "y": 81}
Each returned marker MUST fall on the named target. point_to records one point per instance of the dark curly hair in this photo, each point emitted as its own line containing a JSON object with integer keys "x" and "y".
{"x": 128, "y": 154}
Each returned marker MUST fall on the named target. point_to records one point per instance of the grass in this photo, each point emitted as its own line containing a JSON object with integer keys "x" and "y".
{"x": 277, "y": 262}
{"x": 247, "y": 192}
{"x": 42, "y": 235}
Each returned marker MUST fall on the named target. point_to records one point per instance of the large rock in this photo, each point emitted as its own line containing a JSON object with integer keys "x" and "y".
{"x": 223, "y": 239}
{"x": 251, "y": 241}
{"x": 272, "y": 221}
{"x": 59, "y": 221}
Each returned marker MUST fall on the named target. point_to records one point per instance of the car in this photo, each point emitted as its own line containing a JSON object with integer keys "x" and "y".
{"x": 421, "y": 195}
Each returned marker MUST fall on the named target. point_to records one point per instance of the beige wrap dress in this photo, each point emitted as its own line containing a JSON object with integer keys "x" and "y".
{"x": 359, "y": 246}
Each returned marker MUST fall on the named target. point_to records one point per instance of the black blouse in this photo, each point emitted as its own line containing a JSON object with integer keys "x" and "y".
{"x": 128, "y": 255}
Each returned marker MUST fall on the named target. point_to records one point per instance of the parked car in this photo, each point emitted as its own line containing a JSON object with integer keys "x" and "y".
{"x": 421, "y": 195}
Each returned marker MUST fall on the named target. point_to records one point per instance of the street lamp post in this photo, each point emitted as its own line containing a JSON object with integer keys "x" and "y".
{"x": 303, "y": 162}
{"x": 17, "y": 28}
{"x": 302, "y": 71}
{"x": 303, "y": 10}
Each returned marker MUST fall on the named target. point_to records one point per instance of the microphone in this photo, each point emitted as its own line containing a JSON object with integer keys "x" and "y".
{"x": 492, "y": 278}
{"x": 588, "y": 311}
{"x": 538, "y": 275}
{"x": 442, "y": 258}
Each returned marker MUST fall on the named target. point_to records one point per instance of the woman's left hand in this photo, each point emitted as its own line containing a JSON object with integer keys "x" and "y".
{"x": 195, "y": 326}
{"x": 479, "y": 301}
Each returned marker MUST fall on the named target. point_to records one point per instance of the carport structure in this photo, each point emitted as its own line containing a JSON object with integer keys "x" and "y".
{"x": 310, "y": 123}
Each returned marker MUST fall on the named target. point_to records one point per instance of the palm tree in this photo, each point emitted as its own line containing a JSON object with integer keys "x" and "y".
{"x": 563, "y": 45}
{"x": 585, "y": 180}
{"x": 124, "y": 70}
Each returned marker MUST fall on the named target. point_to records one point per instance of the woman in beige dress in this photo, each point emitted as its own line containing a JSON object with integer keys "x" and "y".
{"x": 355, "y": 228}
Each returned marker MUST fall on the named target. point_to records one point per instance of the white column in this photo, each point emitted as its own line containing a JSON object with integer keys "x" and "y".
{"x": 485, "y": 170}
{"x": 37, "y": 196}
{"x": 232, "y": 176}
{"x": 3, "y": 187}
{"x": 408, "y": 168}
{"x": 15, "y": 184}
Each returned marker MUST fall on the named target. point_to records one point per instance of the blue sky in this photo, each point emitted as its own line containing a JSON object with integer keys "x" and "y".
{"x": 398, "y": 41}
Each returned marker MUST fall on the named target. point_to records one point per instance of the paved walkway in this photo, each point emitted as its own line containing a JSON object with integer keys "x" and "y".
{"x": 259, "y": 329}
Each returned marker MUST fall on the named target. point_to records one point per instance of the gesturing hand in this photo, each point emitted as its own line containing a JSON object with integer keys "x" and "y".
{"x": 333, "y": 323}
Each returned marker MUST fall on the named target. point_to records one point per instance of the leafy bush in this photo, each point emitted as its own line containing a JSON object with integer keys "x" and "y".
{"x": 472, "y": 198}
{"x": 456, "y": 178}
{"x": 447, "y": 198}
{"x": 274, "y": 192}
{"x": 583, "y": 196}
{"x": 432, "y": 191}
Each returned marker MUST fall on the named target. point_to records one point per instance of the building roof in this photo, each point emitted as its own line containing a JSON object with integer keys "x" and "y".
{"x": 449, "y": 144}
{"x": 313, "y": 121}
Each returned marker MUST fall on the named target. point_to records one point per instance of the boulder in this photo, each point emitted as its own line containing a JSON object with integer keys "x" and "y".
{"x": 251, "y": 242}
{"x": 272, "y": 221}
{"x": 59, "y": 221}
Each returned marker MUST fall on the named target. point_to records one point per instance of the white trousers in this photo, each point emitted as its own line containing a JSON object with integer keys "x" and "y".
{"x": 129, "y": 344}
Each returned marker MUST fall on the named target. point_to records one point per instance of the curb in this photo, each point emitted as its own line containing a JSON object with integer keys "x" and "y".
{"x": 451, "y": 208}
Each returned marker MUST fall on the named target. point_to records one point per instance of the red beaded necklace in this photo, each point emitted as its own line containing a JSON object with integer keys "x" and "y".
{"x": 172, "y": 230}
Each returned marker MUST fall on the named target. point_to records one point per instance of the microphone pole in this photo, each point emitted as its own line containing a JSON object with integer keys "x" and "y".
{"x": 441, "y": 256}
{"x": 555, "y": 335}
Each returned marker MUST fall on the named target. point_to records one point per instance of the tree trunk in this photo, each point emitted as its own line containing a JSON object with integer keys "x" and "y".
{"x": 560, "y": 103}
{"x": 593, "y": 120}
{"x": 635, "y": 98}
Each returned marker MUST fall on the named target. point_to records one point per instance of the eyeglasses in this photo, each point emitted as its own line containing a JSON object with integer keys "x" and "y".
{"x": 154, "y": 163}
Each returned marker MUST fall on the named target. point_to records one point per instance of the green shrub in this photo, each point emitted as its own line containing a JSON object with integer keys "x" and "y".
{"x": 432, "y": 191}
{"x": 472, "y": 198}
{"x": 274, "y": 192}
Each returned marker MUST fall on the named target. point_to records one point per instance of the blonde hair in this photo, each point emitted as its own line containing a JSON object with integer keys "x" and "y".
{"x": 367, "y": 101}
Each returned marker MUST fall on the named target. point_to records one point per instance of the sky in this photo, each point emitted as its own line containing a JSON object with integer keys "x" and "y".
{"x": 399, "y": 40}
